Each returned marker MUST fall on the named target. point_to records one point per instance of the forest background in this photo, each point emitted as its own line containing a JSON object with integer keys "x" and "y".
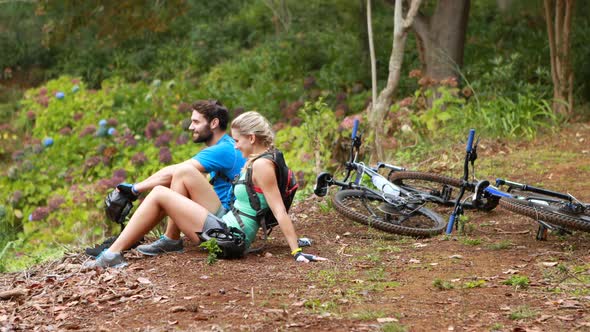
{"x": 95, "y": 93}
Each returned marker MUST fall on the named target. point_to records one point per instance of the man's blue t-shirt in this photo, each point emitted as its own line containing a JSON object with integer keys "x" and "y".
{"x": 223, "y": 162}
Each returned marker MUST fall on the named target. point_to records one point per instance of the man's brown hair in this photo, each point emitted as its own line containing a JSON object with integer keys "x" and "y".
{"x": 212, "y": 109}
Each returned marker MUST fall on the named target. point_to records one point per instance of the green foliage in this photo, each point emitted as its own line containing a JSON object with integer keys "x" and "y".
{"x": 475, "y": 284}
{"x": 54, "y": 194}
{"x": 470, "y": 242}
{"x": 517, "y": 281}
{"x": 496, "y": 327}
{"x": 394, "y": 327}
{"x": 249, "y": 60}
{"x": 500, "y": 117}
{"x": 213, "y": 249}
{"x": 501, "y": 245}
{"x": 522, "y": 312}
{"x": 369, "y": 314}
{"x": 309, "y": 147}
{"x": 20, "y": 41}
{"x": 441, "y": 284}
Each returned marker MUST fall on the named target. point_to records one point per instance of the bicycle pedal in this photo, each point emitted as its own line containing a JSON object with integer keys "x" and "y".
{"x": 321, "y": 185}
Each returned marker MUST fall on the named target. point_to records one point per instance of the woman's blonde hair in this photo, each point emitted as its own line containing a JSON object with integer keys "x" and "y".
{"x": 253, "y": 123}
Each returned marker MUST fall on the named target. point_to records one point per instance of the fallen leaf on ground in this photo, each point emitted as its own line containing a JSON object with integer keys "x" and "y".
{"x": 177, "y": 308}
{"x": 144, "y": 281}
{"x": 510, "y": 271}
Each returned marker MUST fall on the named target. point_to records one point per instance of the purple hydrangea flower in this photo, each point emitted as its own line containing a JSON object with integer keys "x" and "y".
{"x": 43, "y": 101}
{"x": 55, "y": 202}
{"x": 182, "y": 139}
{"x": 104, "y": 184}
{"x": 40, "y": 213}
{"x": 165, "y": 156}
{"x": 151, "y": 129}
{"x": 139, "y": 159}
{"x": 78, "y": 116}
{"x": 92, "y": 161}
{"x": 112, "y": 122}
{"x": 65, "y": 131}
{"x": 88, "y": 131}
{"x": 163, "y": 139}
{"x": 129, "y": 140}
{"x": 31, "y": 115}
{"x": 120, "y": 173}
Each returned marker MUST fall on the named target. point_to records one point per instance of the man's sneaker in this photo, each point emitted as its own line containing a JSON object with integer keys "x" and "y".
{"x": 161, "y": 246}
{"x": 107, "y": 259}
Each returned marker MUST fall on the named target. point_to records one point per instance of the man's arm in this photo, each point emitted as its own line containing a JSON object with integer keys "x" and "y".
{"x": 163, "y": 177}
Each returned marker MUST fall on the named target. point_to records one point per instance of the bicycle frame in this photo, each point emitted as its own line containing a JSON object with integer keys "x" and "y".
{"x": 484, "y": 190}
{"x": 392, "y": 193}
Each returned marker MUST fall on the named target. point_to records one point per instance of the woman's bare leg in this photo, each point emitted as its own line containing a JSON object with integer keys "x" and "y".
{"x": 189, "y": 182}
{"x": 188, "y": 216}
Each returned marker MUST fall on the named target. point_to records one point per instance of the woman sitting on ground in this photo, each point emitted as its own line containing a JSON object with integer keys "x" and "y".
{"x": 254, "y": 136}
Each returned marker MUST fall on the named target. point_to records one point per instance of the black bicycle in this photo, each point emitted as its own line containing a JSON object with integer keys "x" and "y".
{"x": 553, "y": 210}
{"x": 380, "y": 203}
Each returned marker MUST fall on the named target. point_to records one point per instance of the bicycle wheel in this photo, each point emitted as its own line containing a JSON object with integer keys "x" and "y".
{"x": 554, "y": 212}
{"x": 372, "y": 210}
{"x": 443, "y": 189}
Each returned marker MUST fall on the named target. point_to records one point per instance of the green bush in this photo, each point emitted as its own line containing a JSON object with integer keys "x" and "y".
{"x": 54, "y": 189}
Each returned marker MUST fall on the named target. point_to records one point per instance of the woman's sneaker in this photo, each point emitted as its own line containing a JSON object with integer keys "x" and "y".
{"x": 107, "y": 259}
{"x": 161, "y": 246}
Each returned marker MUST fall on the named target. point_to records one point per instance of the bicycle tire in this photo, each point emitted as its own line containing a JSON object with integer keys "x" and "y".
{"x": 372, "y": 210}
{"x": 437, "y": 185}
{"x": 547, "y": 213}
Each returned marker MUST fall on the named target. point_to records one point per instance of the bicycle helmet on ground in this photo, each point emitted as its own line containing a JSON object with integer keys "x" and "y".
{"x": 230, "y": 241}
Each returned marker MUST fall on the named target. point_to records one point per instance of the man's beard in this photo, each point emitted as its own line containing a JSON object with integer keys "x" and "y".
{"x": 203, "y": 136}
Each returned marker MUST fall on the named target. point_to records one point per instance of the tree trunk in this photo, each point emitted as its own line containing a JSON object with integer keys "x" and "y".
{"x": 558, "y": 15}
{"x": 372, "y": 55}
{"x": 379, "y": 109}
{"x": 441, "y": 38}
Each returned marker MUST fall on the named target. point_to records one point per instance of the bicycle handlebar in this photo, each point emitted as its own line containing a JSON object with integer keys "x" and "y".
{"x": 355, "y": 127}
{"x": 470, "y": 140}
{"x": 458, "y": 210}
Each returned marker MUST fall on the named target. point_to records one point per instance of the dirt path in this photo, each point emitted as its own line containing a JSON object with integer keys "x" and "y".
{"x": 495, "y": 277}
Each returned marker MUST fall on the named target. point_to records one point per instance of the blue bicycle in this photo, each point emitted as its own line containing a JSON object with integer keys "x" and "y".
{"x": 553, "y": 210}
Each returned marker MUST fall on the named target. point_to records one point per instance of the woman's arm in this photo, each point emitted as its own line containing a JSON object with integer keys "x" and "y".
{"x": 264, "y": 177}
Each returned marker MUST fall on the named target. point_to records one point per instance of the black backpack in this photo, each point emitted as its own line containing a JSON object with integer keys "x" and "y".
{"x": 287, "y": 187}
